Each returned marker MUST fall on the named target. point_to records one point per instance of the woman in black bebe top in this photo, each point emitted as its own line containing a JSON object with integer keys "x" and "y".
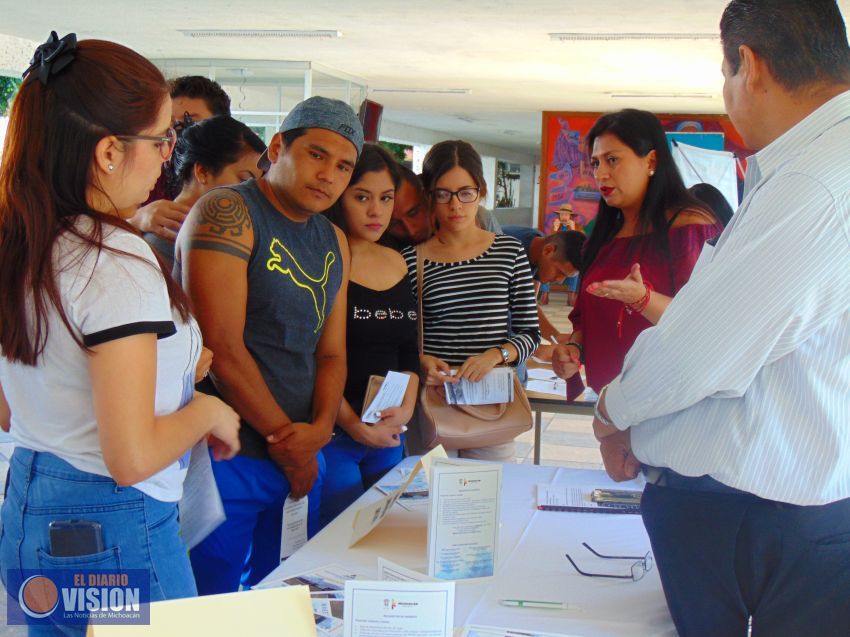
{"x": 381, "y": 335}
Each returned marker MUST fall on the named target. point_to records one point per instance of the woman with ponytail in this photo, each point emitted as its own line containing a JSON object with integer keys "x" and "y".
{"x": 99, "y": 351}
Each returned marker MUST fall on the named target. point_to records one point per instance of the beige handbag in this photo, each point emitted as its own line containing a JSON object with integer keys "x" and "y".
{"x": 465, "y": 426}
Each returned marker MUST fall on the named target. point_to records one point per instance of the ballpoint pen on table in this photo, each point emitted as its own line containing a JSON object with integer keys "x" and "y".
{"x": 531, "y": 603}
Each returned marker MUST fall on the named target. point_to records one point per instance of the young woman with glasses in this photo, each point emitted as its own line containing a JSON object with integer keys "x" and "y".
{"x": 478, "y": 300}
{"x": 99, "y": 350}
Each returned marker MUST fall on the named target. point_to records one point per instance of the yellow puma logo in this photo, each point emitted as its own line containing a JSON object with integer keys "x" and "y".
{"x": 284, "y": 262}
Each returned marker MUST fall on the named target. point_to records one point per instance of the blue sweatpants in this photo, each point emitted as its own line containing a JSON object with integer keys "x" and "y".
{"x": 246, "y": 547}
{"x": 352, "y": 468}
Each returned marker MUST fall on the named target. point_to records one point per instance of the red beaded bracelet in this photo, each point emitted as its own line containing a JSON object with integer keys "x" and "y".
{"x": 640, "y": 306}
{"x": 636, "y": 307}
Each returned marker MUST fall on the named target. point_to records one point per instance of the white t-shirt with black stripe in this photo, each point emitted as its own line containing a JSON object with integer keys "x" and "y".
{"x": 473, "y": 305}
{"x": 106, "y": 296}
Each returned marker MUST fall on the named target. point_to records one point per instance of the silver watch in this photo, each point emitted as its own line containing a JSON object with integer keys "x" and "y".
{"x": 506, "y": 355}
{"x": 598, "y": 414}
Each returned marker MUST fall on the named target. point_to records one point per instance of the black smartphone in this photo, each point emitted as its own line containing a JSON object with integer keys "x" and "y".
{"x": 69, "y": 538}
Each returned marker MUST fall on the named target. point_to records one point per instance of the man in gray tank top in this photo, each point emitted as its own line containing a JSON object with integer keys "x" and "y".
{"x": 267, "y": 275}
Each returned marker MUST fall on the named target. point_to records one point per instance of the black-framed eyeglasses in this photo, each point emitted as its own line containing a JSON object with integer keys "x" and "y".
{"x": 182, "y": 124}
{"x": 464, "y": 195}
{"x": 641, "y": 566}
{"x": 168, "y": 141}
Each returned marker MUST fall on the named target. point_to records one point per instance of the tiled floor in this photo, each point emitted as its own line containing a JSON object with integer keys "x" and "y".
{"x": 567, "y": 441}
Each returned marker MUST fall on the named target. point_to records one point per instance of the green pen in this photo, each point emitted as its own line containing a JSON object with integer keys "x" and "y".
{"x": 532, "y": 603}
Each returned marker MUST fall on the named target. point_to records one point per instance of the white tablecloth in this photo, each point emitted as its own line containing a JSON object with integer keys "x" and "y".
{"x": 530, "y": 563}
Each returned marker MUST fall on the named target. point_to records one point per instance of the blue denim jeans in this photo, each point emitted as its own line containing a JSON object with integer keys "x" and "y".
{"x": 139, "y": 532}
{"x": 352, "y": 469}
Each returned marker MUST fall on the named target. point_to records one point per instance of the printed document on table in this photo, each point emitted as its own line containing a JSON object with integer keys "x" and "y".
{"x": 495, "y": 631}
{"x": 322, "y": 580}
{"x": 390, "y": 394}
{"x": 328, "y": 614}
{"x": 463, "y": 521}
{"x": 370, "y": 515}
{"x": 399, "y": 609}
{"x": 553, "y": 387}
{"x": 497, "y": 386}
{"x": 392, "y": 572}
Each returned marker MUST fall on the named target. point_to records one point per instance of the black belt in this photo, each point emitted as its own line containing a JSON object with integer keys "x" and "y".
{"x": 664, "y": 477}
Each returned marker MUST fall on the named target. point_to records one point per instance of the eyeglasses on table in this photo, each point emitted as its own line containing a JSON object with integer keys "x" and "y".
{"x": 641, "y": 566}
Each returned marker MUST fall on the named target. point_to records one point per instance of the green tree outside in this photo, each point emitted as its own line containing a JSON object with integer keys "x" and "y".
{"x": 8, "y": 89}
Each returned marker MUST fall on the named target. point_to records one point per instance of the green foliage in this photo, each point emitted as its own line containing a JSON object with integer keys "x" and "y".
{"x": 8, "y": 89}
{"x": 396, "y": 150}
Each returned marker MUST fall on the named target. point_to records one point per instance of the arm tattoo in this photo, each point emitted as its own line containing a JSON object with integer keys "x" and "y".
{"x": 225, "y": 214}
{"x": 222, "y": 222}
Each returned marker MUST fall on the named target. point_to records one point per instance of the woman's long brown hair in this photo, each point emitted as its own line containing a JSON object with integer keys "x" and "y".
{"x": 47, "y": 167}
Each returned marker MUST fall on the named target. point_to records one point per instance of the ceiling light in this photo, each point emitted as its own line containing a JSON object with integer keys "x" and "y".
{"x": 584, "y": 37}
{"x": 701, "y": 96}
{"x": 435, "y": 91}
{"x": 261, "y": 33}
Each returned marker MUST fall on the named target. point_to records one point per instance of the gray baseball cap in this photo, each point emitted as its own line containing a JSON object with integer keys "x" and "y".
{"x": 321, "y": 112}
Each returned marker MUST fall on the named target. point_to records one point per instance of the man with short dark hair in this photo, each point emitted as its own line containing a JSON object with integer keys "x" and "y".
{"x": 411, "y": 220}
{"x": 552, "y": 259}
{"x": 193, "y": 98}
{"x": 741, "y": 394}
{"x": 267, "y": 276}
{"x": 410, "y": 223}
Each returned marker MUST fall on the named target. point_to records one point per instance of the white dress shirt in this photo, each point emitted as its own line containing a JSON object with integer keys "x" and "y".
{"x": 746, "y": 377}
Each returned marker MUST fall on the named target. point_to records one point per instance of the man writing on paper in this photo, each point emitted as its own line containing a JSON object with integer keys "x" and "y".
{"x": 741, "y": 392}
{"x": 267, "y": 275}
{"x": 551, "y": 259}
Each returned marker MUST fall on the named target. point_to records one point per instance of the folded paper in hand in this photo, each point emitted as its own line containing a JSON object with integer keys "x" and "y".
{"x": 391, "y": 394}
{"x": 496, "y": 387}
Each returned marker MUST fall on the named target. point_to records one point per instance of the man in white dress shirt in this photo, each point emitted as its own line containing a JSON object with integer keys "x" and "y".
{"x": 737, "y": 403}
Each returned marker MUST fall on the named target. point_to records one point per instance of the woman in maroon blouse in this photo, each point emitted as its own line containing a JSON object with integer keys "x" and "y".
{"x": 648, "y": 235}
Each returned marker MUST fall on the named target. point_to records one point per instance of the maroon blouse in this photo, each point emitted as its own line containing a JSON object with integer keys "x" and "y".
{"x": 597, "y": 317}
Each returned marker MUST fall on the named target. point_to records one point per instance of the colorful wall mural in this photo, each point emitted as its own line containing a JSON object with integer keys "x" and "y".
{"x": 567, "y": 188}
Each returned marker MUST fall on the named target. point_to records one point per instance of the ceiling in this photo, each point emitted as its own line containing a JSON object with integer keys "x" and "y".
{"x": 499, "y": 50}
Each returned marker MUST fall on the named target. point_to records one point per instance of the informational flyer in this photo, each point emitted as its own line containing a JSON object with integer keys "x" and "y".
{"x": 391, "y": 394}
{"x": 323, "y": 580}
{"x": 390, "y": 571}
{"x": 497, "y": 386}
{"x": 370, "y": 515}
{"x": 463, "y": 521}
{"x": 495, "y": 631}
{"x": 201, "y": 509}
{"x": 293, "y": 533}
{"x": 399, "y": 609}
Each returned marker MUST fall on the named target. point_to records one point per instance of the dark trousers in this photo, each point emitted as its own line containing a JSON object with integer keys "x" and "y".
{"x": 724, "y": 557}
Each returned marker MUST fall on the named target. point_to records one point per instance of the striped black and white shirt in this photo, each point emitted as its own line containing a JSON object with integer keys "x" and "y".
{"x": 746, "y": 377}
{"x": 473, "y": 305}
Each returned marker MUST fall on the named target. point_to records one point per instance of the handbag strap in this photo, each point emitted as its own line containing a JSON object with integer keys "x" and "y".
{"x": 420, "y": 279}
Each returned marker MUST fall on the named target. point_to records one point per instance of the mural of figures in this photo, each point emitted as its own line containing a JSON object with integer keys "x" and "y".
{"x": 567, "y": 188}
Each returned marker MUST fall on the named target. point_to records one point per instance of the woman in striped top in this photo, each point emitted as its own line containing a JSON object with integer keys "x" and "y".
{"x": 478, "y": 298}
